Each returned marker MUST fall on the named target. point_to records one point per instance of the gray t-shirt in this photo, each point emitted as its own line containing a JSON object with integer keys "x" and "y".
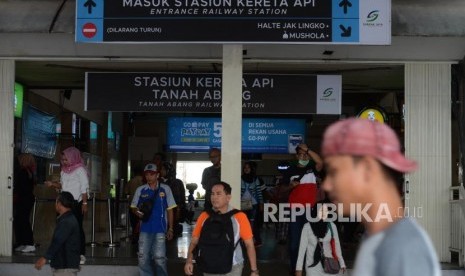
{"x": 403, "y": 249}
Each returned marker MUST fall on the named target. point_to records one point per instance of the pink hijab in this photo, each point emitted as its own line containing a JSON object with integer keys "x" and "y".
{"x": 74, "y": 160}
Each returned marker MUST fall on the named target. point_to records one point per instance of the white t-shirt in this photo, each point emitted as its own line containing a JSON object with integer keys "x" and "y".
{"x": 76, "y": 182}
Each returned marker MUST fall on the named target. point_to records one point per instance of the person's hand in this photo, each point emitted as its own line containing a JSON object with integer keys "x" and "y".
{"x": 138, "y": 213}
{"x": 298, "y": 273}
{"x": 303, "y": 147}
{"x": 40, "y": 263}
{"x": 343, "y": 269}
{"x": 48, "y": 184}
{"x": 84, "y": 209}
{"x": 294, "y": 183}
{"x": 169, "y": 234}
{"x": 189, "y": 267}
{"x": 254, "y": 273}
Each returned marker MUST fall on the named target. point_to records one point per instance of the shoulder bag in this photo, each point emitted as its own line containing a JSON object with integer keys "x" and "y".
{"x": 330, "y": 265}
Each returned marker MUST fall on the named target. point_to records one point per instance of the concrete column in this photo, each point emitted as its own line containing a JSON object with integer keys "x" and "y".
{"x": 428, "y": 140}
{"x": 231, "y": 139}
{"x": 7, "y": 83}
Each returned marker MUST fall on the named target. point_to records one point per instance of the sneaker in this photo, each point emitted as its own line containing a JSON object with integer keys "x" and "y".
{"x": 29, "y": 249}
{"x": 83, "y": 260}
{"x": 20, "y": 248}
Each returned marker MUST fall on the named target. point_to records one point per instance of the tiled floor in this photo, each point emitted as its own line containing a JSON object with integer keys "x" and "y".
{"x": 271, "y": 256}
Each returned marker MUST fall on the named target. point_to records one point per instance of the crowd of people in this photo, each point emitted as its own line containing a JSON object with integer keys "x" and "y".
{"x": 355, "y": 169}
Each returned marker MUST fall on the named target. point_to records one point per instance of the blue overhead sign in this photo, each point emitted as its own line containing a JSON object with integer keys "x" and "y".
{"x": 190, "y": 134}
{"x": 234, "y": 21}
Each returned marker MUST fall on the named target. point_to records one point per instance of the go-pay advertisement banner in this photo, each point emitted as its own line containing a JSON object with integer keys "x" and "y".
{"x": 202, "y": 93}
{"x": 190, "y": 134}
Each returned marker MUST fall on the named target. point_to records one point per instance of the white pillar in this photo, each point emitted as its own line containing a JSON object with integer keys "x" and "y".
{"x": 7, "y": 82}
{"x": 231, "y": 143}
{"x": 428, "y": 140}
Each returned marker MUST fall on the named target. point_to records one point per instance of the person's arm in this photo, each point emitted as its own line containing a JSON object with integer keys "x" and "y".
{"x": 84, "y": 208}
{"x": 247, "y": 236}
{"x": 205, "y": 176}
{"x": 189, "y": 266}
{"x": 317, "y": 159}
{"x": 135, "y": 202}
{"x": 250, "y": 248}
{"x": 182, "y": 193}
{"x": 258, "y": 192}
{"x": 170, "y": 235}
{"x": 171, "y": 203}
{"x": 83, "y": 179}
{"x": 53, "y": 184}
{"x": 304, "y": 240}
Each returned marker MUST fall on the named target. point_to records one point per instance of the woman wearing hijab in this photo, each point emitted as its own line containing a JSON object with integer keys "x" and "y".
{"x": 316, "y": 236}
{"x": 251, "y": 191}
{"x": 74, "y": 178}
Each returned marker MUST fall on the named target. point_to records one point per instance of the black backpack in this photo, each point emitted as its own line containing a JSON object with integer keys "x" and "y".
{"x": 215, "y": 249}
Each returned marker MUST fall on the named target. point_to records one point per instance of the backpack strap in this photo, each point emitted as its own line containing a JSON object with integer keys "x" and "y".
{"x": 229, "y": 214}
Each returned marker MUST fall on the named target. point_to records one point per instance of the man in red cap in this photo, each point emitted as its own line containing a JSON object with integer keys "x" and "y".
{"x": 364, "y": 166}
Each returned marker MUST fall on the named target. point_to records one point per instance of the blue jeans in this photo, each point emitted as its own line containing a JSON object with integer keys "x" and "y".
{"x": 152, "y": 247}
{"x": 295, "y": 230}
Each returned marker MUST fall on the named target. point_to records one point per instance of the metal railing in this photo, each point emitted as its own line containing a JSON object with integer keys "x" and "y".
{"x": 109, "y": 206}
{"x": 457, "y": 202}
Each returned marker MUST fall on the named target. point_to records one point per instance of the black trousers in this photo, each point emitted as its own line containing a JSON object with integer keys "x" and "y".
{"x": 21, "y": 221}
{"x": 77, "y": 211}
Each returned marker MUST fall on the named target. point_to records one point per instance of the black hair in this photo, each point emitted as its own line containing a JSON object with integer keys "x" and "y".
{"x": 214, "y": 150}
{"x": 252, "y": 165}
{"x": 170, "y": 170}
{"x": 66, "y": 199}
{"x": 161, "y": 155}
{"x": 396, "y": 176}
{"x": 297, "y": 148}
{"x": 389, "y": 173}
{"x": 226, "y": 187}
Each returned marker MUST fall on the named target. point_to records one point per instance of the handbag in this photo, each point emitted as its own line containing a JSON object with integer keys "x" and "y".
{"x": 146, "y": 207}
{"x": 330, "y": 265}
{"x": 246, "y": 204}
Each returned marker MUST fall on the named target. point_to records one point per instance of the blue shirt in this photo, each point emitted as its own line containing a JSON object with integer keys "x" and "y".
{"x": 164, "y": 200}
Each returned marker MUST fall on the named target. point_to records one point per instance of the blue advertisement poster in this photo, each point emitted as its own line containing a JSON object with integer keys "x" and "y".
{"x": 39, "y": 132}
{"x": 259, "y": 135}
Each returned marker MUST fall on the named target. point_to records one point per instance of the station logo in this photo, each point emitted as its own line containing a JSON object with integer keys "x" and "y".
{"x": 371, "y": 19}
{"x": 328, "y": 95}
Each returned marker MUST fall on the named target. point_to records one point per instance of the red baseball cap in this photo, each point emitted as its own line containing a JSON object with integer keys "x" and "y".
{"x": 362, "y": 137}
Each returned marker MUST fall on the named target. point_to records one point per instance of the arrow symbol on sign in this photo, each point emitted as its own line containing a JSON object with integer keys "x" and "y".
{"x": 346, "y": 32}
{"x": 345, "y": 4}
{"x": 89, "y": 4}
